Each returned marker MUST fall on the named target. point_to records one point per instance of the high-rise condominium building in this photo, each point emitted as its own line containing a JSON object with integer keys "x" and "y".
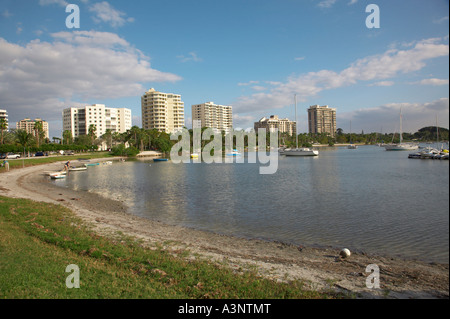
{"x": 322, "y": 119}
{"x": 4, "y": 115}
{"x": 273, "y": 122}
{"x": 78, "y": 119}
{"x": 217, "y": 117}
{"x": 29, "y": 126}
{"x": 162, "y": 111}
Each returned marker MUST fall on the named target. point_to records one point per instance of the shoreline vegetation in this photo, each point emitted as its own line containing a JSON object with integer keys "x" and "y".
{"x": 125, "y": 256}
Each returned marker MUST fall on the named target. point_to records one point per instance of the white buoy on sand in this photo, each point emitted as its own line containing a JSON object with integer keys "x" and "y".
{"x": 345, "y": 253}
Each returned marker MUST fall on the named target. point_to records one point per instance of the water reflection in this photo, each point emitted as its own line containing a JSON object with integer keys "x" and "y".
{"x": 366, "y": 199}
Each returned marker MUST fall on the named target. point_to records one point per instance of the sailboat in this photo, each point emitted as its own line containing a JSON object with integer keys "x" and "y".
{"x": 304, "y": 151}
{"x": 351, "y": 146}
{"x": 401, "y": 146}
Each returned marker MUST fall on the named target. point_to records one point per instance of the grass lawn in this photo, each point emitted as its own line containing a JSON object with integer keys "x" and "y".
{"x": 38, "y": 241}
{"x": 20, "y": 163}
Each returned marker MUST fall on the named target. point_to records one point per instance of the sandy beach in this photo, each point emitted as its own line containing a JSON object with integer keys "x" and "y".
{"x": 319, "y": 268}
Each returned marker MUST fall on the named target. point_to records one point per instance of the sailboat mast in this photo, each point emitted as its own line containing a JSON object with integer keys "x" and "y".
{"x": 437, "y": 133}
{"x": 401, "y": 132}
{"x": 296, "y": 125}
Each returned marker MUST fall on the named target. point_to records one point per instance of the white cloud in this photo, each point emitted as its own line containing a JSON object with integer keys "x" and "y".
{"x": 299, "y": 58}
{"x": 441, "y": 20}
{"x": 41, "y": 78}
{"x": 106, "y": 13}
{"x": 248, "y": 83}
{"x": 49, "y": 2}
{"x": 415, "y": 116}
{"x": 434, "y": 82}
{"x": 192, "y": 56}
{"x": 382, "y": 83}
{"x": 380, "y": 67}
{"x": 6, "y": 14}
{"x": 352, "y": 2}
{"x": 259, "y": 88}
{"x": 326, "y": 3}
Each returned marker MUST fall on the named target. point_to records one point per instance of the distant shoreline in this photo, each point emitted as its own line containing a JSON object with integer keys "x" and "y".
{"x": 278, "y": 261}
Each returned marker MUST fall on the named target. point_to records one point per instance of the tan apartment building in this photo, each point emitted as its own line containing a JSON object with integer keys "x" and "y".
{"x": 322, "y": 119}
{"x": 28, "y": 126}
{"x": 4, "y": 115}
{"x": 274, "y": 122}
{"x": 78, "y": 119}
{"x": 162, "y": 111}
{"x": 217, "y": 117}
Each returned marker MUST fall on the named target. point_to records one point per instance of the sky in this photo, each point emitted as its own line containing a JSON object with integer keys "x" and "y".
{"x": 254, "y": 55}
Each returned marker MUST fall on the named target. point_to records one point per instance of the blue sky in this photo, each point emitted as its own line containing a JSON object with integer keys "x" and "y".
{"x": 253, "y": 55}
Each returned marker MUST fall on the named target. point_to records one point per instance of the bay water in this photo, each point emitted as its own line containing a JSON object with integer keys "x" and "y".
{"x": 366, "y": 199}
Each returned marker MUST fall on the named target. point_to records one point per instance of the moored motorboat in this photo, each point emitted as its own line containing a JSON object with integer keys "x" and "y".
{"x": 92, "y": 164}
{"x": 160, "y": 160}
{"x": 304, "y": 151}
{"x": 57, "y": 176}
{"x": 76, "y": 169}
{"x": 235, "y": 152}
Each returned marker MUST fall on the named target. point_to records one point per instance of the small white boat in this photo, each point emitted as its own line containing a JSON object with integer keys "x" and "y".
{"x": 401, "y": 146}
{"x": 351, "y": 146}
{"x": 234, "y": 153}
{"x": 56, "y": 173}
{"x": 107, "y": 163}
{"x": 57, "y": 176}
{"x": 304, "y": 151}
{"x": 76, "y": 169}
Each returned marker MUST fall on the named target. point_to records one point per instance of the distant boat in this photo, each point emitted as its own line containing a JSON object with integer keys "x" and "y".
{"x": 76, "y": 169}
{"x": 235, "y": 152}
{"x": 304, "y": 151}
{"x": 194, "y": 155}
{"x": 57, "y": 176}
{"x": 107, "y": 163}
{"x": 299, "y": 151}
{"x": 401, "y": 146}
{"x": 160, "y": 160}
{"x": 56, "y": 173}
{"x": 92, "y": 164}
{"x": 351, "y": 146}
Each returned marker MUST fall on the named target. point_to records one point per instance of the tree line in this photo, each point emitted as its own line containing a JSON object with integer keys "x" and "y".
{"x": 137, "y": 139}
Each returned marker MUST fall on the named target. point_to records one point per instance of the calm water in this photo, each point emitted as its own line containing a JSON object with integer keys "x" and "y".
{"x": 366, "y": 199}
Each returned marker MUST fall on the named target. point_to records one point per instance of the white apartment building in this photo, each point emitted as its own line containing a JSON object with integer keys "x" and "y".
{"x": 273, "y": 122}
{"x": 4, "y": 115}
{"x": 78, "y": 119}
{"x": 162, "y": 111}
{"x": 28, "y": 126}
{"x": 217, "y": 117}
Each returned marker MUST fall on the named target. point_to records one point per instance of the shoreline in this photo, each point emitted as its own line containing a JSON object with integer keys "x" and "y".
{"x": 319, "y": 268}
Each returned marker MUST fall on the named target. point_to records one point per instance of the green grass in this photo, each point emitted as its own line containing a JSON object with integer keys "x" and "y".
{"x": 52, "y": 159}
{"x": 20, "y": 163}
{"x": 38, "y": 241}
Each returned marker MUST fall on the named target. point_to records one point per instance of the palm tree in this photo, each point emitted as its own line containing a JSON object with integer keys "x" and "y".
{"x": 3, "y": 127}
{"x": 24, "y": 138}
{"x": 92, "y": 133}
{"x": 107, "y": 137}
{"x": 38, "y": 128}
{"x": 67, "y": 137}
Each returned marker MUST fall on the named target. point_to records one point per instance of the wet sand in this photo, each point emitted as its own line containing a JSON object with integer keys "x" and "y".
{"x": 318, "y": 268}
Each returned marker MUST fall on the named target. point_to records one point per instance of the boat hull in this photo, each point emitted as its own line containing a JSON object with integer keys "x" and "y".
{"x": 401, "y": 147}
{"x": 300, "y": 152}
